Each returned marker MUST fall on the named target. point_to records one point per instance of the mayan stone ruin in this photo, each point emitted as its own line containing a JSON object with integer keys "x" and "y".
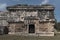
{"x": 23, "y": 19}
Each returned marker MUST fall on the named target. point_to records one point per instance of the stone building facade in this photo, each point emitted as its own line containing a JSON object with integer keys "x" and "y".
{"x": 37, "y": 20}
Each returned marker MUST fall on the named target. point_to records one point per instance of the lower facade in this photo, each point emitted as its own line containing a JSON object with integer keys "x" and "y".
{"x": 34, "y": 28}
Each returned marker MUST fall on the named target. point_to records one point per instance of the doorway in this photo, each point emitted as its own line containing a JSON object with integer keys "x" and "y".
{"x": 6, "y": 30}
{"x": 31, "y": 28}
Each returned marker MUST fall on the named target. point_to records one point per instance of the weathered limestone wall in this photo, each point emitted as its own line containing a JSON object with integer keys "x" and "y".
{"x": 17, "y": 28}
{"x": 46, "y": 27}
{"x": 32, "y": 15}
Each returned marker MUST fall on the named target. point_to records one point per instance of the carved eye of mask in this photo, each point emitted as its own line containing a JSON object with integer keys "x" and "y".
{"x": 43, "y": 13}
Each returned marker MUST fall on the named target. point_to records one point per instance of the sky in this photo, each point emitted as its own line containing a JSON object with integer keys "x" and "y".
{"x": 56, "y": 3}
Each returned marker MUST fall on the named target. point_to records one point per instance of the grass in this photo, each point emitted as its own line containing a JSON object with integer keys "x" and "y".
{"x": 17, "y": 37}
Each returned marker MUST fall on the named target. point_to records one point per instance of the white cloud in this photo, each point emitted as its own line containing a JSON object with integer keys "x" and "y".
{"x": 44, "y": 2}
{"x": 3, "y": 6}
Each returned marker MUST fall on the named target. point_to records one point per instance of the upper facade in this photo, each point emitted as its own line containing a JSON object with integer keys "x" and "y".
{"x": 41, "y": 12}
{"x": 21, "y": 12}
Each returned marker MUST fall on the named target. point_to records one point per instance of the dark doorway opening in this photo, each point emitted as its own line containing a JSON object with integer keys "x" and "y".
{"x": 6, "y": 30}
{"x": 31, "y": 28}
